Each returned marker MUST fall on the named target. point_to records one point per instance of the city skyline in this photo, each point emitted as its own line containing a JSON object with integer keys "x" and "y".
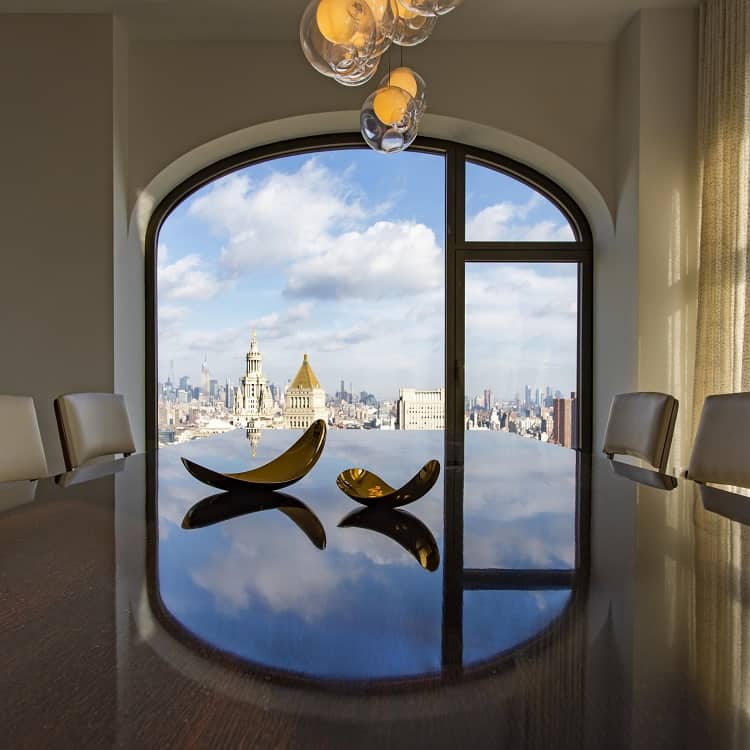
{"x": 353, "y": 389}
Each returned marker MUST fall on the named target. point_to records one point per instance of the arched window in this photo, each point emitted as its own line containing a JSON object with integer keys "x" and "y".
{"x": 445, "y": 290}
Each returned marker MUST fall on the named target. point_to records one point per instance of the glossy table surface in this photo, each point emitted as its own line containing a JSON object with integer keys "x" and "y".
{"x": 534, "y": 597}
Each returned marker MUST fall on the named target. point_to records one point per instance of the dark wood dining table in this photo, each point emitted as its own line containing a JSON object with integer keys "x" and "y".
{"x": 535, "y": 597}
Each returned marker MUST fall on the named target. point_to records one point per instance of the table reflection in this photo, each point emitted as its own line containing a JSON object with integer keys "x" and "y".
{"x": 243, "y": 581}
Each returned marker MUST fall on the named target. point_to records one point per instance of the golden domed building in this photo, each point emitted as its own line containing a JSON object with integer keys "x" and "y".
{"x": 305, "y": 399}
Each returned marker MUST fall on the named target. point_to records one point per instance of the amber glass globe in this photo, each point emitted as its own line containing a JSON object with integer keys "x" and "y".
{"x": 338, "y": 36}
{"x": 385, "y": 13}
{"x": 411, "y": 82}
{"x": 347, "y": 22}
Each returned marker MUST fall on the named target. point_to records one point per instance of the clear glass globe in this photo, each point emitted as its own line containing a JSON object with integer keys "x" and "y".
{"x": 388, "y": 137}
{"x": 360, "y": 75}
{"x": 412, "y": 28}
{"x": 385, "y": 13}
{"x": 338, "y": 36}
{"x": 411, "y": 82}
{"x": 430, "y": 7}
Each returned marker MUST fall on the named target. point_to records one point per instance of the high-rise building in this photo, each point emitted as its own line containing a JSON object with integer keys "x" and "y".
{"x": 229, "y": 395}
{"x": 252, "y": 399}
{"x": 487, "y": 399}
{"x": 527, "y": 396}
{"x": 205, "y": 377}
{"x": 305, "y": 399}
{"x": 421, "y": 410}
{"x": 185, "y": 383}
{"x": 565, "y": 428}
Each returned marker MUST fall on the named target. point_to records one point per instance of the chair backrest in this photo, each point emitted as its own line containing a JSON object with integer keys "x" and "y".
{"x": 721, "y": 451}
{"x": 21, "y": 448}
{"x": 642, "y": 425}
{"x": 93, "y": 425}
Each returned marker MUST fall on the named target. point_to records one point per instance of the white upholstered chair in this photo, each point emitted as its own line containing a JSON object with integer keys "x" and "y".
{"x": 721, "y": 451}
{"x": 642, "y": 425}
{"x": 21, "y": 449}
{"x": 93, "y": 425}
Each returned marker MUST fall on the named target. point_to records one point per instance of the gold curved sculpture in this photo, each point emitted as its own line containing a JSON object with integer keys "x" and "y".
{"x": 226, "y": 505}
{"x": 403, "y": 528}
{"x": 370, "y": 490}
{"x": 288, "y": 468}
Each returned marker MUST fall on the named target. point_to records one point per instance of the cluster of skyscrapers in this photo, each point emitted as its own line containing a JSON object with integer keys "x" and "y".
{"x": 187, "y": 411}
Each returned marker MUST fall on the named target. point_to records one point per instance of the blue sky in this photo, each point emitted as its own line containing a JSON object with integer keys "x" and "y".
{"x": 341, "y": 255}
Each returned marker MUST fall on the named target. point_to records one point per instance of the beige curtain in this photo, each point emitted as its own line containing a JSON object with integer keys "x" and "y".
{"x": 721, "y": 641}
{"x": 723, "y": 345}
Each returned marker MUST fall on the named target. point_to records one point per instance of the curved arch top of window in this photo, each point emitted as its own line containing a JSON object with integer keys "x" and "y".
{"x": 503, "y": 208}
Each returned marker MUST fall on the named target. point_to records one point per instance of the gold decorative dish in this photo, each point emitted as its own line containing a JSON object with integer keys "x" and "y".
{"x": 226, "y": 505}
{"x": 286, "y": 469}
{"x": 404, "y": 528}
{"x": 370, "y": 490}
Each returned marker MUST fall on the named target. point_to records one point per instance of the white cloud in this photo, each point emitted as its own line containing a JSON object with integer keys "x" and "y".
{"x": 172, "y": 318}
{"x": 282, "y": 217}
{"x": 506, "y": 222}
{"x": 187, "y": 279}
{"x": 521, "y": 326}
{"x": 282, "y": 325}
{"x": 385, "y": 260}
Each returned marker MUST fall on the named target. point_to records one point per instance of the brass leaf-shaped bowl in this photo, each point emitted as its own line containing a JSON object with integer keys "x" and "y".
{"x": 370, "y": 490}
{"x": 288, "y": 468}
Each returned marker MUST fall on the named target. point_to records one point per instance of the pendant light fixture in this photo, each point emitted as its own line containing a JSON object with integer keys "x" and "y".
{"x": 346, "y": 39}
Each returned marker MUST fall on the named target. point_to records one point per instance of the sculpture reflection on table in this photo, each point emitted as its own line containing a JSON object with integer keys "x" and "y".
{"x": 286, "y": 469}
{"x": 370, "y": 490}
{"x": 404, "y": 528}
{"x": 226, "y": 505}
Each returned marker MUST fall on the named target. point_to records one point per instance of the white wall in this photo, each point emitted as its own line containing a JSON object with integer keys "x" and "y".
{"x": 56, "y": 196}
{"x": 667, "y": 216}
{"x": 559, "y": 96}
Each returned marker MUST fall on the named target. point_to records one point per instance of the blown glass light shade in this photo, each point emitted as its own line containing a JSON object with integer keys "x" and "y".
{"x": 380, "y": 127}
{"x": 338, "y": 37}
{"x": 412, "y": 28}
{"x": 411, "y": 82}
{"x": 360, "y": 75}
{"x": 385, "y": 13}
{"x": 430, "y": 7}
{"x": 392, "y": 105}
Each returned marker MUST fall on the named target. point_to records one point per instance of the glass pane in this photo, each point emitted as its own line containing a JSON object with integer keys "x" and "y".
{"x": 520, "y": 374}
{"x": 310, "y": 286}
{"x": 500, "y": 208}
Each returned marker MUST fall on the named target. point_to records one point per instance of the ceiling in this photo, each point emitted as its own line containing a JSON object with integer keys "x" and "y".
{"x": 543, "y": 20}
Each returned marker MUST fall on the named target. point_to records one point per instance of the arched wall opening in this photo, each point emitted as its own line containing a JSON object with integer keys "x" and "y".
{"x": 130, "y": 325}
